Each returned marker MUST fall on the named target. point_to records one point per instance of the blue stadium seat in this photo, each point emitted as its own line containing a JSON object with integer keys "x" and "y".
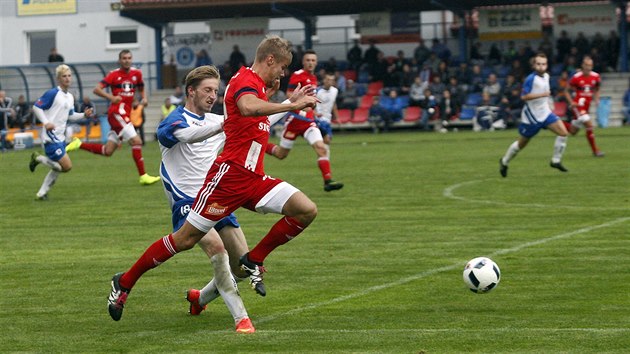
{"x": 556, "y": 69}
{"x": 467, "y": 113}
{"x": 473, "y": 99}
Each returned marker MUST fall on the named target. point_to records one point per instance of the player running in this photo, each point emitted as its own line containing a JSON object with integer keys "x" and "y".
{"x": 123, "y": 82}
{"x": 327, "y": 109}
{"x": 585, "y": 85}
{"x": 537, "y": 115}
{"x": 302, "y": 123}
{"x": 54, "y": 109}
{"x": 237, "y": 176}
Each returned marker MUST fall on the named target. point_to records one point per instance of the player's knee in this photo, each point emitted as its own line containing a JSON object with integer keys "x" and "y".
{"x": 309, "y": 213}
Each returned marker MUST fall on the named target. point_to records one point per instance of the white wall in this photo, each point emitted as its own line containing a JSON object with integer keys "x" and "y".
{"x": 81, "y": 37}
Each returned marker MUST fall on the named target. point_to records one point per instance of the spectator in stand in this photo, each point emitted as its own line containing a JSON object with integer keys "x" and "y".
{"x": 416, "y": 91}
{"x": 237, "y": 59}
{"x": 330, "y": 67}
{"x": 429, "y": 107}
{"x": 510, "y": 83}
{"x": 494, "y": 55}
{"x": 510, "y": 53}
{"x": 475, "y": 53}
{"x": 626, "y": 107}
{"x": 371, "y": 55}
{"x": 492, "y": 87}
{"x": 563, "y": 46}
{"x": 450, "y": 107}
{"x": 55, "y": 57}
{"x": 354, "y": 56}
{"x": 432, "y": 63}
{"x": 612, "y": 50}
{"x": 598, "y": 60}
{"x": 421, "y": 53}
{"x": 458, "y": 91}
{"x": 178, "y": 96}
{"x": 202, "y": 58}
{"x": 464, "y": 75}
{"x": 407, "y": 79}
{"x": 6, "y": 114}
{"x": 437, "y": 87}
{"x": 378, "y": 70}
{"x": 394, "y": 105}
{"x": 546, "y": 46}
{"x": 511, "y": 106}
{"x": 400, "y": 61}
{"x": 582, "y": 45}
{"x": 441, "y": 50}
{"x": 571, "y": 61}
{"x": 392, "y": 80}
{"x": 517, "y": 70}
{"x": 563, "y": 83}
{"x": 600, "y": 43}
{"x": 166, "y": 108}
{"x": 378, "y": 117}
{"x": 485, "y": 114}
{"x": 23, "y": 113}
{"x": 349, "y": 98}
{"x": 476, "y": 81}
{"x": 443, "y": 72}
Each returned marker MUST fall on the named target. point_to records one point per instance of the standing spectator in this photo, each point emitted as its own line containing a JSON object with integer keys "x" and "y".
{"x": 613, "y": 49}
{"x": 475, "y": 53}
{"x": 202, "y": 58}
{"x": 123, "y": 82}
{"x": 585, "y": 85}
{"x": 55, "y": 57}
{"x": 349, "y": 98}
{"x": 407, "y": 78}
{"x": 370, "y": 57}
{"x": 379, "y": 69}
{"x": 441, "y": 50}
{"x": 494, "y": 55}
{"x": 509, "y": 55}
{"x": 54, "y": 108}
{"x": 582, "y": 45}
{"x": 22, "y": 113}
{"x": 546, "y": 46}
{"x": 237, "y": 59}
{"x": 400, "y": 61}
{"x": 563, "y": 46}
{"x": 138, "y": 117}
{"x": 535, "y": 116}
{"x": 6, "y": 112}
{"x": 354, "y": 56}
{"x": 421, "y": 53}
{"x": 166, "y": 108}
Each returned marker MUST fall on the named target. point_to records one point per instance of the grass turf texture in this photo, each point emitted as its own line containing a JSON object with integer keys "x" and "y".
{"x": 378, "y": 271}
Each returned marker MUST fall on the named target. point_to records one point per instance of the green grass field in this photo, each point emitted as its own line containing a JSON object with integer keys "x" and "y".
{"x": 379, "y": 271}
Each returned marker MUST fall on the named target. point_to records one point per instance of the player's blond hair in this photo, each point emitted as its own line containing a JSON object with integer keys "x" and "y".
{"x": 198, "y": 74}
{"x": 61, "y": 69}
{"x": 273, "y": 45}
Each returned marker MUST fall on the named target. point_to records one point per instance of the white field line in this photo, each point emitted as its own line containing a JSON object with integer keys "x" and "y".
{"x": 436, "y": 271}
{"x": 449, "y": 192}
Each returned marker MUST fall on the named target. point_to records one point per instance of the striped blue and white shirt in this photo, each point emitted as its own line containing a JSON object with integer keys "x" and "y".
{"x": 536, "y": 110}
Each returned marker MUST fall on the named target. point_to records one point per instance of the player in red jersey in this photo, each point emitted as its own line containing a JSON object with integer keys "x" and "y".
{"x": 237, "y": 177}
{"x": 302, "y": 123}
{"x": 585, "y": 84}
{"x": 123, "y": 83}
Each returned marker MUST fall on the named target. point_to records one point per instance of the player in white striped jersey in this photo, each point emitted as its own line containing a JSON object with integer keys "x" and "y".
{"x": 537, "y": 115}
{"x": 54, "y": 109}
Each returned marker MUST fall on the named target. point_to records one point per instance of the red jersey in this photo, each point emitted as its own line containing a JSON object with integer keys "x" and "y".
{"x": 245, "y": 137}
{"x": 584, "y": 87}
{"x": 123, "y": 84}
{"x": 304, "y": 78}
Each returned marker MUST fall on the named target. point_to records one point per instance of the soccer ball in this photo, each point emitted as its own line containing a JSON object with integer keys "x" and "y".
{"x": 481, "y": 275}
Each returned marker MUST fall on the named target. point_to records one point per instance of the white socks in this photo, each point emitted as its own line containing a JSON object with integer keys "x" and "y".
{"x": 226, "y": 285}
{"x": 511, "y": 152}
{"x": 558, "y": 148}
{"x": 49, "y": 180}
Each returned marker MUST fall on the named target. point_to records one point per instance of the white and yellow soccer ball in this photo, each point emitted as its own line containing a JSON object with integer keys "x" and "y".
{"x": 481, "y": 275}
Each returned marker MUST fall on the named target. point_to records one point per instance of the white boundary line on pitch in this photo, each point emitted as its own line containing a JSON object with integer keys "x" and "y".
{"x": 449, "y": 193}
{"x": 435, "y": 271}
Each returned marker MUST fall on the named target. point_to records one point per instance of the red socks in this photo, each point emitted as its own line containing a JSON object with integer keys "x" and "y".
{"x": 282, "y": 232}
{"x": 136, "y": 153}
{"x": 590, "y": 136}
{"x": 269, "y": 148}
{"x": 159, "y": 252}
{"x": 94, "y": 148}
{"x": 324, "y": 166}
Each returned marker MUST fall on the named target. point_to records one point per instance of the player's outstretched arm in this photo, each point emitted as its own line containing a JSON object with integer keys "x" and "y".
{"x": 250, "y": 105}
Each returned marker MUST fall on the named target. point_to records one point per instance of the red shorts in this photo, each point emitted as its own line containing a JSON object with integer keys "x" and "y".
{"x": 118, "y": 118}
{"x": 295, "y": 128}
{"x": 228, "y": 187}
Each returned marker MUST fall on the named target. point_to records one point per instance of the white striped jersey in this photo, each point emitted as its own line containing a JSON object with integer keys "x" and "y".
{"x": 327, "y": 100}
{"x": 185, "y": 165}
{"x": 58, "y": 107}
{"x": 538, "y": 109}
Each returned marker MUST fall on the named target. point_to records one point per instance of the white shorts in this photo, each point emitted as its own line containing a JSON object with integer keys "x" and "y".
{"x": 311, "y": 135}
{"x": 579, "y": 121}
